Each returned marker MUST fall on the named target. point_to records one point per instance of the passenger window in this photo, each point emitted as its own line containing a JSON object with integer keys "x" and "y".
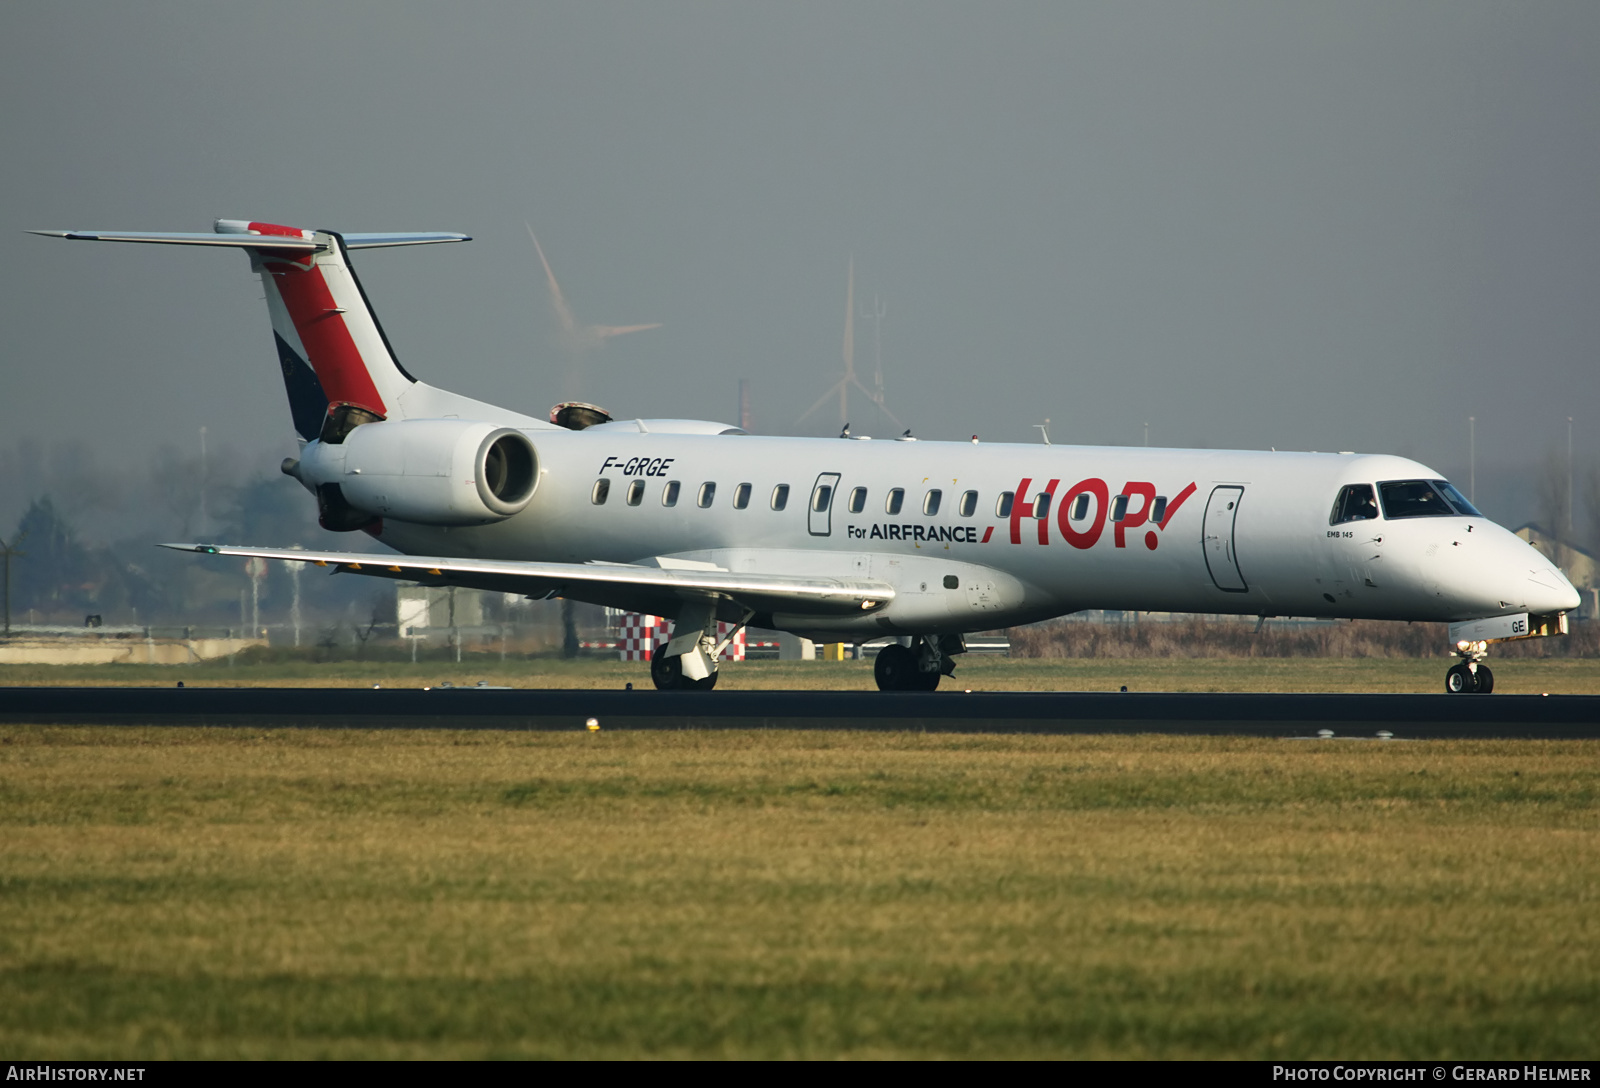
{"x": 780, "y": 496}
{"x": 602, "y": 488}
{"x": 708, "y": 491}
{"x": 969, "y": 504}
{"x": 1041, "y": 505}
{"x": 1119, "y": 508}
{"x": 1355, "y": 503}
{"x": 897, "y": 498}
{"x": 1412, "y": 499}
{"x": 1080, "y": 507}
{"x": 930, "y": 502}
{"x": 1158, "y": 509}
{"x": 741, "y": 496}
{"x": 858, "y": 500}
{"x": 636, "y": 493}
{"x": 1002, "y": 508}
{"x": 669, "y": 494}
{"x": 821, "y": 497}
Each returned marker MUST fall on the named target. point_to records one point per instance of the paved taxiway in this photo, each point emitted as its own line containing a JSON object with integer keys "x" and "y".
{"x": 1404, "y": 716}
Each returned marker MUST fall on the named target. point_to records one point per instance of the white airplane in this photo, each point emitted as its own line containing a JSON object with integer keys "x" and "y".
{"x": 839, "y": 539}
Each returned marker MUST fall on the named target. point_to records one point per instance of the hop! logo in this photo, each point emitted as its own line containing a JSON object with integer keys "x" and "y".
{"x": 1087, "y": 506}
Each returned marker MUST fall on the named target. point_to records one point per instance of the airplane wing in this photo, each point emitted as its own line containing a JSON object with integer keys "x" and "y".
{"x": 638, "y": 588}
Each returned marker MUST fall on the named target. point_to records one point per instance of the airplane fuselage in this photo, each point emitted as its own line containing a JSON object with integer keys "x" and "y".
{"x": 1237, "y": 532}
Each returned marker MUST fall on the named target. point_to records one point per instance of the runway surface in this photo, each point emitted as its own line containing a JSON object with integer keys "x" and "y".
{"x": 1352, "y": 716}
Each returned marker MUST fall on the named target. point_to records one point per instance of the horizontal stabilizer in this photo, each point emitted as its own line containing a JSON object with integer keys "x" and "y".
{"x": 254, "y": 241}
{"x": 756, "y": 592}
{"x": 382, "y": 241}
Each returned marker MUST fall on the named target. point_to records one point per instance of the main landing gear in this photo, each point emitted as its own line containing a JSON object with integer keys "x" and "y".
{"x": 688, "y": 662}
{"x": 917, "y": 667}
{"x": 1469, "y": 675}
{"x": 667, "y": 673}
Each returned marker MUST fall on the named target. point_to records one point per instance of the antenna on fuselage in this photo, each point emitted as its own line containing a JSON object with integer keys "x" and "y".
{"x": 1044, "y": 429}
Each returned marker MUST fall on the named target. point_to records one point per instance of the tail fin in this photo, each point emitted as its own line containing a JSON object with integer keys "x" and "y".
{"x": 338, "y": 368}
{"x": 326, "y": 332}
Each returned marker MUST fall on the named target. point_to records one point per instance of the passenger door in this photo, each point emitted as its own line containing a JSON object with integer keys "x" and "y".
{"x": 820, "y": 509}
{"x": 1221, "y": 558}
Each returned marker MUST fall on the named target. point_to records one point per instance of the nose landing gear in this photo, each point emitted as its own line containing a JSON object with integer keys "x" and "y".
{"x": 1469, "y": 675}
{"x": 1470, "y": 642}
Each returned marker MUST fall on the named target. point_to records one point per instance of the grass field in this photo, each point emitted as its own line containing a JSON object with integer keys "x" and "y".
{"x": 1571, "y": 676}
{"x": 190, "y": 893}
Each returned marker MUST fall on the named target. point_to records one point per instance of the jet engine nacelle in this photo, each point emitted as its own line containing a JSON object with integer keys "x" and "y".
{"x": 428, "y": 471}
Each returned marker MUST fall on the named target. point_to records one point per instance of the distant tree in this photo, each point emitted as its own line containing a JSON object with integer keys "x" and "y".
{"x": 174, "y": 484}
{"x": 57, "y": 574}
{"x": 569, "y": 628}
{"x": 1591, "y": 502}
{"x": 1551, "y": 489}
{"x": 268, "y": 510}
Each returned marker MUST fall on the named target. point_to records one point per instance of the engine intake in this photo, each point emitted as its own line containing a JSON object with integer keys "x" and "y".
{"x": 508, "y": 471}
{"x": 428, "y": 471}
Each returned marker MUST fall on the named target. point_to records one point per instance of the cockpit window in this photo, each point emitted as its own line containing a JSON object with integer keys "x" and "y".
{"x": 1457, "y": 499}
{"x": 1413, "y": 499}
{"x": 1355, "y": 503}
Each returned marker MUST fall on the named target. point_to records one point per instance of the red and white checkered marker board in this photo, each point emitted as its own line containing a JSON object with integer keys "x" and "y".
{"x": 642, "y": 634}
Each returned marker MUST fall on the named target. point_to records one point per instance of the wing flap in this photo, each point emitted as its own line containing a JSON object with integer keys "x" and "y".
{"x": 756, "y": 592}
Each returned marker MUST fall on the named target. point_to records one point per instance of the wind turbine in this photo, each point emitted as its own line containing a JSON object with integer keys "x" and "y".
{"x": 877, "y": 314}
{"x": 577, "y": 339}
{"x": 842, "y": 386}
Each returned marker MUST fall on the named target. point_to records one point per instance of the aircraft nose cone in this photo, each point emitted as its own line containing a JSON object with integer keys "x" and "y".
{"x": 1502, "y": 574}
{"x": 1549, "y": 591}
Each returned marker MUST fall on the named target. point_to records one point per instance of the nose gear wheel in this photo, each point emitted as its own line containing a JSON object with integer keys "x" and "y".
{"x": 1467, "y": 678}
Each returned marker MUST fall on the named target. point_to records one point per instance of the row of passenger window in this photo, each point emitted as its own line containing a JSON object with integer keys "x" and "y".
{"x": 670, "y": 491}
{"x": 894, "y": 502}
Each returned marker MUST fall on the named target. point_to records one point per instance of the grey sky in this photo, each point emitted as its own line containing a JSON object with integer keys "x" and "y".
{"x": 1327, "y": 226}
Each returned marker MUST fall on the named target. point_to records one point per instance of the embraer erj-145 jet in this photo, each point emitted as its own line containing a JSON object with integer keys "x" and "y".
{"x": 844, "y": 540}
